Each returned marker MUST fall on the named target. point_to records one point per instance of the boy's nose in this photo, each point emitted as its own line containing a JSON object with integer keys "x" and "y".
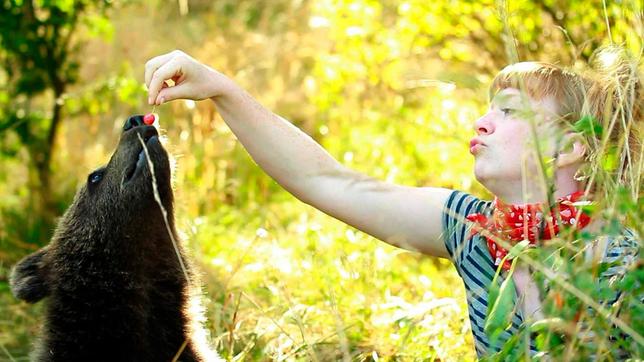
{"x": 483, "y": 126}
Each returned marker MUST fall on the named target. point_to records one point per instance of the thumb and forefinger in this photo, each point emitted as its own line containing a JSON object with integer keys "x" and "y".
{"x": 157, "y": 71}
{"x": 167, "y": 94}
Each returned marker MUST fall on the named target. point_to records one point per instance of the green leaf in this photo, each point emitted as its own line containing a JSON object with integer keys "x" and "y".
{"x": 609, "y": 160}
{"x": 587, "y": 125}
{"x": 500, "y": 307}
{"x": 518, "y": 248}
{"x": 99, "y": 26}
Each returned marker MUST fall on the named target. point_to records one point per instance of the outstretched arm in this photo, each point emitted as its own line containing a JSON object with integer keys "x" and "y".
{"x": 408, "y": 217}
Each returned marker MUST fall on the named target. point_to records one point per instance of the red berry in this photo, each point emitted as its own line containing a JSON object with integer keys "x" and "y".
{"x": 148, "y": 119}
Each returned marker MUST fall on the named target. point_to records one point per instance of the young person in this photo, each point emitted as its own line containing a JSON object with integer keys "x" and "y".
{"x": 526, "y": 99}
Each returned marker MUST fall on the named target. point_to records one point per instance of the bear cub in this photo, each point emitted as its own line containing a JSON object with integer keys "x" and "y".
{"x": 115, "y": 288}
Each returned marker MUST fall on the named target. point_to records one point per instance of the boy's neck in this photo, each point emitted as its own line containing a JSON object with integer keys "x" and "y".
{"x": 534, "y": 191}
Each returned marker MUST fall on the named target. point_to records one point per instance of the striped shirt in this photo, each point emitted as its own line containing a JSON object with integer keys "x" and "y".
{"x": 476, "y": 267}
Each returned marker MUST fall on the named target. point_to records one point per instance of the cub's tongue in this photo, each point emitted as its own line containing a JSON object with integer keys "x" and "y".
{"x": 141, "y": 160}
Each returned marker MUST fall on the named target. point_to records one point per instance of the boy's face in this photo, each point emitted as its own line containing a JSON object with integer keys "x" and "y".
{"x": 504, "y": 146}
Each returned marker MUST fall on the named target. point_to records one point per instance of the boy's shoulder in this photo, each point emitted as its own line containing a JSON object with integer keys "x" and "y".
{"x": 619, "y": 251}
{"x": 462, "y": 200}
{"x": 626, "y": 243}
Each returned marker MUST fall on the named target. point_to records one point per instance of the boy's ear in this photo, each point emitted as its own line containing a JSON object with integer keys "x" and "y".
{"x": 28, "y": 278}
{"x": 574, "y": 150}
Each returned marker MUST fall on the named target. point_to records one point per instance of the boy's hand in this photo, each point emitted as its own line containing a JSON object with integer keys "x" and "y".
{"x": 192, "y": 80}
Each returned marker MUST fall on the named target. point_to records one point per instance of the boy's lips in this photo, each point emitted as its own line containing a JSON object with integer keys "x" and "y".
{"x": 475, "y": 145}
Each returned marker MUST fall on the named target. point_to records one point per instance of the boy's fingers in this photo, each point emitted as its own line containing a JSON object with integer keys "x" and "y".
{"x": 155, "y": 63}
{"x": 169, "y": 94}
{"x": 166, "y": 71}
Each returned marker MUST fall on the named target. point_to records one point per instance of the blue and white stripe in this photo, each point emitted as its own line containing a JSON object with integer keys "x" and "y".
{"x": 475, "y": 266}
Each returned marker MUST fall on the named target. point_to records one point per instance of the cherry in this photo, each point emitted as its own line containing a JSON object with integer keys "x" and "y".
{"x": 148, "y": 119}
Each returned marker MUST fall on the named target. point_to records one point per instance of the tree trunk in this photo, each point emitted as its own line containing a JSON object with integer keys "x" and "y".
{"x": 42, "y": 157}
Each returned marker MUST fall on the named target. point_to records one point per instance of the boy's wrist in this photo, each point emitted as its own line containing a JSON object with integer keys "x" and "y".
{"x": 221, "y": 85}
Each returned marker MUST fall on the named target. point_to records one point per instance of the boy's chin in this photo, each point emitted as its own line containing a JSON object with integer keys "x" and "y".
{"x": 482, "y": 174}
{"x": 495, "y": 180}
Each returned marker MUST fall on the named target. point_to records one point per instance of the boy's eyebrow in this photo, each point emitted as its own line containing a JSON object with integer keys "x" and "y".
{"x": 505, "y": 98}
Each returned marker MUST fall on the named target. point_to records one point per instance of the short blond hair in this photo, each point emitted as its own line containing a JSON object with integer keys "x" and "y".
{"x": 540, "y": 80}
{"x": 610, "y": 94}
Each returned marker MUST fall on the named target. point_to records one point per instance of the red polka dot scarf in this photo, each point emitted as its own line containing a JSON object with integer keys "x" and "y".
{"x": 512, "y": 222}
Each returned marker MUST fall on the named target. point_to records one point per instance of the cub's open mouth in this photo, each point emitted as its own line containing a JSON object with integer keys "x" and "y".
{"x": 150, "y": 137}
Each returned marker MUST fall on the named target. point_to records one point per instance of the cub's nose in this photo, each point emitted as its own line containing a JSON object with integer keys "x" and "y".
{"x": 133, "y": 121}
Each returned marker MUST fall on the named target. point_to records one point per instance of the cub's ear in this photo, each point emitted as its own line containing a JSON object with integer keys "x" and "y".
{"x": 28, "y": 278}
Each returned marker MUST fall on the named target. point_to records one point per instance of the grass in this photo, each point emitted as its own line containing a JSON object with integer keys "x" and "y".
{"x": 315, "y": 289}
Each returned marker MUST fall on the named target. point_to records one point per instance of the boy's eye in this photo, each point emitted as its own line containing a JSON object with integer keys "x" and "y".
{"x": 507, "y": 111}
{"x": 95, "y": 177}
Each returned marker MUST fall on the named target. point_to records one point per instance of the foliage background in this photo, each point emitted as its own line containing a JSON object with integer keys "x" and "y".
{"x": 390, "y": 88}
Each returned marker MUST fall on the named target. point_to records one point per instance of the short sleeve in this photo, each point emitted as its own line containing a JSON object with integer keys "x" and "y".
{"x": 456, "y": 229}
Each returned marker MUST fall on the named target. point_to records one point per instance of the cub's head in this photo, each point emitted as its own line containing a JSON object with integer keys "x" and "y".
{"x": 115, "y": 214}
{"x": 125, "y": 187}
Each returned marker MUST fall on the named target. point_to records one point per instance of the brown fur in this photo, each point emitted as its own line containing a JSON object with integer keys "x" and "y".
{"x": 115, "y": 288}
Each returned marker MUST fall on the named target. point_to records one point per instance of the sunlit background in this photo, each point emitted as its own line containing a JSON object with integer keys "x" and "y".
{"x": 389, "y": 88}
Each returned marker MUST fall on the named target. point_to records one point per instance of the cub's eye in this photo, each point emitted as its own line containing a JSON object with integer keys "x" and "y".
{"x": 95, "y": 177}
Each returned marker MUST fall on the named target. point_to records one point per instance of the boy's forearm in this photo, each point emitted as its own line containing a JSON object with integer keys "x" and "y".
{"x": 285, "y": 152}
